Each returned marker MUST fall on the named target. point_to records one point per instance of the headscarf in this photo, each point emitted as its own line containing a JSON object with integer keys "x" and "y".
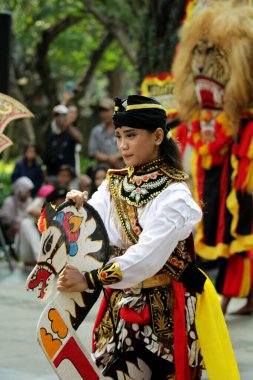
{"x": 22, "y": 185}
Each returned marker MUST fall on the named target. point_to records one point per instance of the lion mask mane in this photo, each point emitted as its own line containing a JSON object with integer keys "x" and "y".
{"x": 229, "y": 28}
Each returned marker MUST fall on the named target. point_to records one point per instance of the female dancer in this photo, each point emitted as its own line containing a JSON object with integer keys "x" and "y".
{"x": 151, "y": 282}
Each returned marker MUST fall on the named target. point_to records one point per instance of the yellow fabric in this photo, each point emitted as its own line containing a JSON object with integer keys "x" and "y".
{"x": 249, "y": 178}
{"x": 213, "y": 335}
{"x": 241, "y": 242}
{"x": 250, "y": 151}
{"x": 246, "y": 278}
{"x": 194, "y": 165}
{"x": 142, "y": 106}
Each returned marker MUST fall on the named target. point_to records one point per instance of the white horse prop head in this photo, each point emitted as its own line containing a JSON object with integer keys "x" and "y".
{"x": 80, "y": 239}
{"x": 68, "y": 236}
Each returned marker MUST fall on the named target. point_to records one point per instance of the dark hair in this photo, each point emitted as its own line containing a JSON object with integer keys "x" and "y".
{"x": 30, "y": 145}
{"x": 93, "y": 173}
{"x": 170, "y": 150}
{"x": 67, "y": 168}
{"x": 59, "y": 192}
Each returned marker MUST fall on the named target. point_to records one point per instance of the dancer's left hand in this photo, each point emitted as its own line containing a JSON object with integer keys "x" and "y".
{"x": 71, "y": 280}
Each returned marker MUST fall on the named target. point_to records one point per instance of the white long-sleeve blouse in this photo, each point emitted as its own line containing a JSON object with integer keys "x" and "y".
{"x": 165, "y": 220}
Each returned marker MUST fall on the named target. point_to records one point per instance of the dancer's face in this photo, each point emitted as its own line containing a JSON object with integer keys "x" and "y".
{"x": 138, "y": 146}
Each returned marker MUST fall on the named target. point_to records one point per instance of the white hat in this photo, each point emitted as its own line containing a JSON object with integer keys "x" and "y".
{"x": 61, "y": 109}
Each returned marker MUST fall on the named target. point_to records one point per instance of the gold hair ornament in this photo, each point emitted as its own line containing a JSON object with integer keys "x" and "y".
{"x": 169, "y": 135}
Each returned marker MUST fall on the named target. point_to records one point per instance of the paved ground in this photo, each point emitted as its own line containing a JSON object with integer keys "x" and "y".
{"x": 22, "y": 359}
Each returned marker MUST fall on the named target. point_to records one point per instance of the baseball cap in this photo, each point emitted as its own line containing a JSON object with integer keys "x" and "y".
{"x": 106, "y": 104}
{"x": 61, "y": 109}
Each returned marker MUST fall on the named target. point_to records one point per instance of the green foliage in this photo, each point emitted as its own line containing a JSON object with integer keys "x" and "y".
{"x": 6, "y": 168}
{"x": 86, "y": 163}
{"x": 54, "y": 42}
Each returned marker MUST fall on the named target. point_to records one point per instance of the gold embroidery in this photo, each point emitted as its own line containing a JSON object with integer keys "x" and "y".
{"x": 91, "y": 280}
{"x": 162, "y": 313}
{"x": 178, "y": 261}
{"x": 174, "y": 174}
{"x": 109, "y": 274}
{"x": 104, "y": 332}
{"x": 152, "y": 282}
{"x": 127, "y": 221}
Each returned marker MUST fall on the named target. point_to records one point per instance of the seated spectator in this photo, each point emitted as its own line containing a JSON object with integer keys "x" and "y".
{"x": 66, "y": 177}
{"x": 14, "y": 208}
{"x": 29, "y": 236}
{"x": 98, "y": 176}
{"x": 102, "y": 143}
{"x": 60, "y": 148}
{"x": 30, "y": 167}
{"x": 71, "y": 120}
{"x": 84, "y": 183}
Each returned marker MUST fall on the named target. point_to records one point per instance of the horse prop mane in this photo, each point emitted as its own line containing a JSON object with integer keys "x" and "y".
{"x": 80, "y": 239}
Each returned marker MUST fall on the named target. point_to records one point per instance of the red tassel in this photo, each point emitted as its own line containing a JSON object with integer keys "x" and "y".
{"x": 131, "y": 316}
{"x": 180, "y": 338}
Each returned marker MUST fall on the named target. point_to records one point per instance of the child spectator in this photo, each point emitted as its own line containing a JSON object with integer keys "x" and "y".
{"x": 60, "y": 148}
{"x": 66, "y": 176}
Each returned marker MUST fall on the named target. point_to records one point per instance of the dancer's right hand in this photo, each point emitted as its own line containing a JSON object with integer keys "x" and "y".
{"x": 77, "y": 197}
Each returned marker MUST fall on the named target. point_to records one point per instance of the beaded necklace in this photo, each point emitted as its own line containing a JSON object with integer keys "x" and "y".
{"x": 135, "y": 187}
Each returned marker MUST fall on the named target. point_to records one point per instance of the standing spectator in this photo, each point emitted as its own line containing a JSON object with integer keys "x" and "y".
{"x": 29, "y": 167}
{"x": 61, "y": 144}
{"x": 71, "y": 121}
{"x": 102, "y": 143}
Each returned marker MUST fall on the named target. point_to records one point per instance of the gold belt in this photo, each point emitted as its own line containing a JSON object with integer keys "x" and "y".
{"x": 152, "y": 282}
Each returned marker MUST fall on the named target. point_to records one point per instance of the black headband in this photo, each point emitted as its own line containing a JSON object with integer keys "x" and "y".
{"x": 141, "y": 112}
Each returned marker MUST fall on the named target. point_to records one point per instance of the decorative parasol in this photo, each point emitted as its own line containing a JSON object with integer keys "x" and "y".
{"x": 10, "y": 109}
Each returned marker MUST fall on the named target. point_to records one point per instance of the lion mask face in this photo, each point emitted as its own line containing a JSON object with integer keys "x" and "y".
{"x": 217, "y": 44}
{"x": 209, "y": 61}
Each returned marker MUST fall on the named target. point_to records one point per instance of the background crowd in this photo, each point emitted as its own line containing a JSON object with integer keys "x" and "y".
{"x": 51, "y": 174}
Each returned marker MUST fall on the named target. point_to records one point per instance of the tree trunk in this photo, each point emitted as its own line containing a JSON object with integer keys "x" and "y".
{"x": 160, "y": 36}
{"x": 115, "y": 82}
{"x": 20, "y": 131}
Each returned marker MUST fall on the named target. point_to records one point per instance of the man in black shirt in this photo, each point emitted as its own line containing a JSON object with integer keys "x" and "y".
{"x": 61, "y": 144}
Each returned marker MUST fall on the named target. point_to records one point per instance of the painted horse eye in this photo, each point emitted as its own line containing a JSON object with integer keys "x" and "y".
{"x": 48, "y": 244}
